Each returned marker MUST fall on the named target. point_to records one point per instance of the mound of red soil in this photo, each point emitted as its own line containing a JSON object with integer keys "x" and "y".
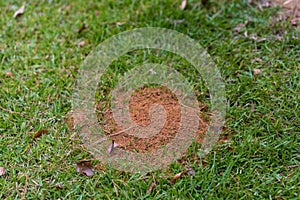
{"x": 139, "y": 107}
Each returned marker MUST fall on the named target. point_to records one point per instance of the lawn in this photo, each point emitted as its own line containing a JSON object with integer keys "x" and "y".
{"x": 258, "y": 56}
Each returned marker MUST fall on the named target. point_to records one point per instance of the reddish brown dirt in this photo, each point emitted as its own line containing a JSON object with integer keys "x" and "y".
{"x": 139, "y": 105}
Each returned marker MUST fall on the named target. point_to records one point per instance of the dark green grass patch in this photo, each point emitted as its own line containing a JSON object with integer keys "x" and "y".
{"x": 40, "y": 49}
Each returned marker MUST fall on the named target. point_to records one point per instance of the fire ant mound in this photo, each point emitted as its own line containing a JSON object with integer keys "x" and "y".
{"x": 140, "y": 106}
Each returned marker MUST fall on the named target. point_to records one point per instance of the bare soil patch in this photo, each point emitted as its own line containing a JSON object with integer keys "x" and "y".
{"x": 139, "y": 106}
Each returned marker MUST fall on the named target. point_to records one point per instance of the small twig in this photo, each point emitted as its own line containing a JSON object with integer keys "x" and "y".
{"x": 292, "y": 166}
{"x": 120, "y": 132}
{"x": 112, "y": 147}
{"x": 10, "y": 111}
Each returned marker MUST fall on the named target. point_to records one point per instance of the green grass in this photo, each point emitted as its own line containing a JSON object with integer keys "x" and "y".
{"x": 260, "y": 161}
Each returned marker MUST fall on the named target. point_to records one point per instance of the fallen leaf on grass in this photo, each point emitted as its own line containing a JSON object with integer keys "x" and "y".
{"x": 2, "y": 171}
{"x": 20, "y": 11}
{"x": 81, "y": 44}
{"x": 183, "y": 4}
{"x": 40, "y": 133}
{"x": 188, "y": 171}
{"x": 9, "y": 74}
{"x": 256, "y": 71}
{"x": 151, "y": 187}
{"x": 85, "y": 168}
{"x": 178, "y": 176}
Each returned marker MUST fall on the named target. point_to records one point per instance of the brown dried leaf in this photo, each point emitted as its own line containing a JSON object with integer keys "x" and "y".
{"x": 20, "y": 11}
{"x": 2, "y": 171}
{"x": 256, "y": 71}
{"x": 40, "y": 133}
{"x": 188, "y": 171}
{"x": 183, "y": 4}
{"x": 85, "y": 168}
{"x": 9, "y": 74}
{"x": 81, "y": 44}
{"x": 178, "y": 176}
{"x": 151, "y": 187}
